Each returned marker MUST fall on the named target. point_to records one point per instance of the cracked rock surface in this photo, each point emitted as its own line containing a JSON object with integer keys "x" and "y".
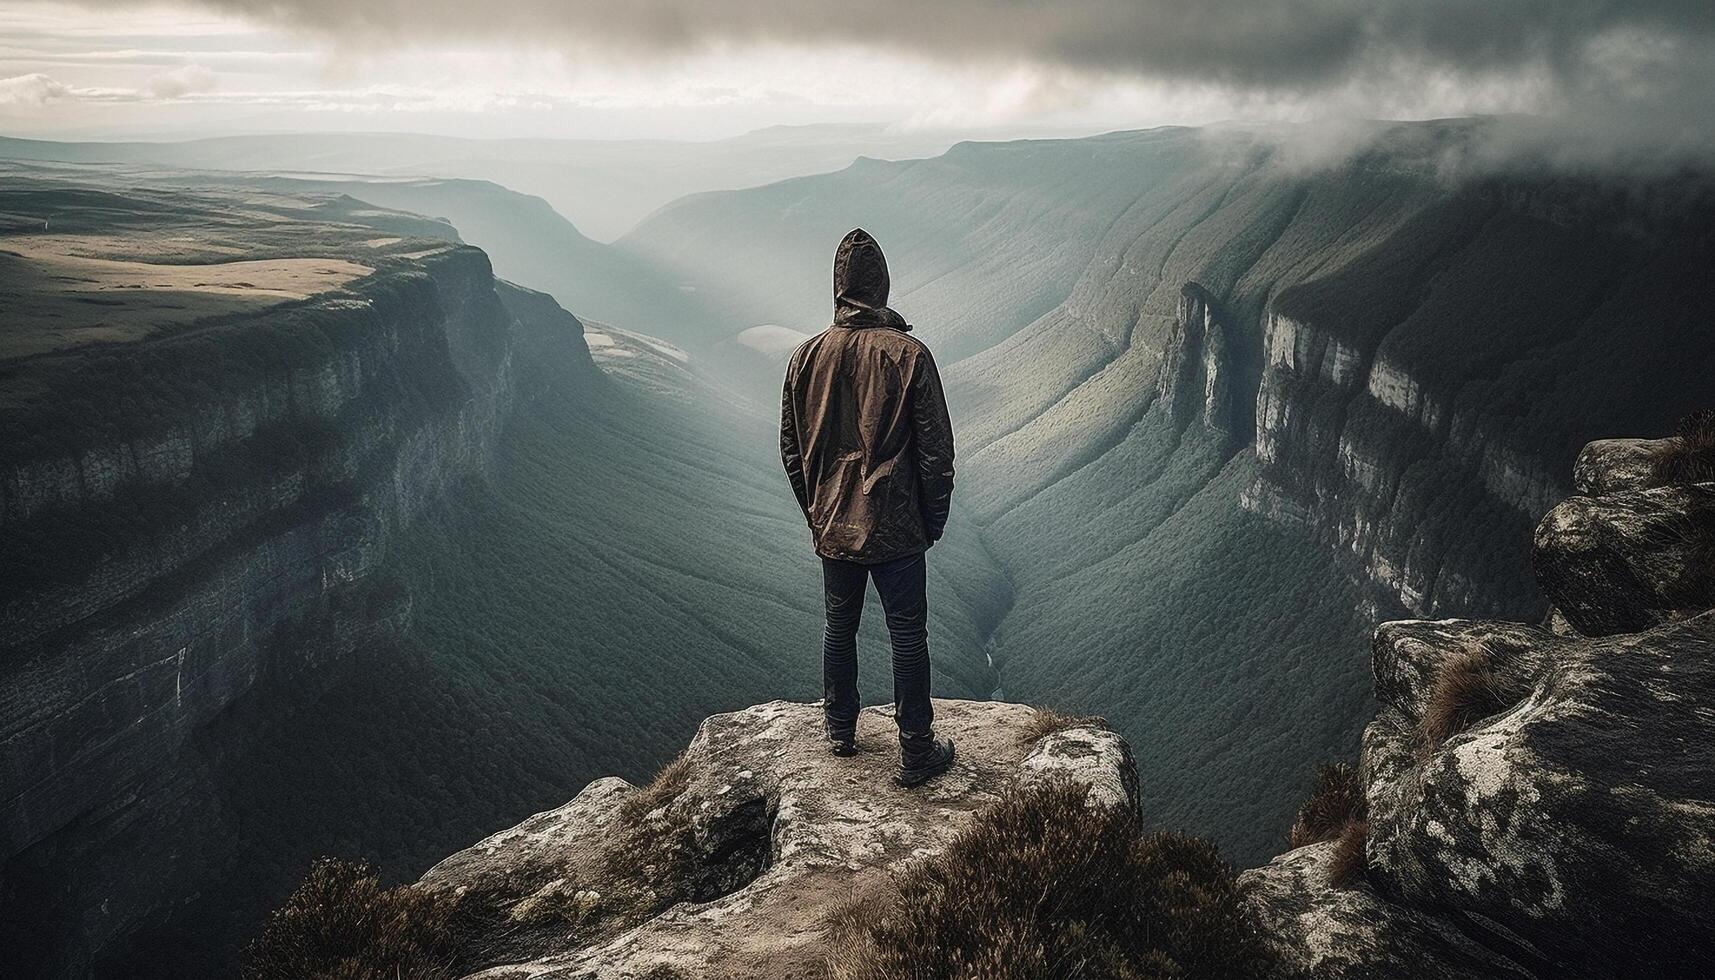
{"x": 1576, "y": 822}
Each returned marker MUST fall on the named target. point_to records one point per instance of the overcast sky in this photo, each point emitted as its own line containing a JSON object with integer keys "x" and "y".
{"x": 707, "y": 68}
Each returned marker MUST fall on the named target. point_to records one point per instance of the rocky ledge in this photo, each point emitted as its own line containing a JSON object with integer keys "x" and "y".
{"x": 753, "y": 842}
{"x": 1533, "y": 801}
{"x": 1539, "y": 801}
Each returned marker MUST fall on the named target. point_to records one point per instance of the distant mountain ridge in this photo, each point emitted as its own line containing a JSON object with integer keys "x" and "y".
{"x": 605, "y": 186}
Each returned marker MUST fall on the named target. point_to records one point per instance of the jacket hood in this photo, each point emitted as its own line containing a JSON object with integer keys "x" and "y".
{"x": 861, "y": 284}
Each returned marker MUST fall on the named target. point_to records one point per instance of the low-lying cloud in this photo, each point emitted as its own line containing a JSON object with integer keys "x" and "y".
{"x": 39, "y": 89}
{"x": 181, "y": 81}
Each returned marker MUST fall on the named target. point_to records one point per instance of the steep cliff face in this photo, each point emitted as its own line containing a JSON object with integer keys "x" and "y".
{"x": 1353, "y": 447}
{"x": 217, "y": 523}
{"x": 1196, "y": 382}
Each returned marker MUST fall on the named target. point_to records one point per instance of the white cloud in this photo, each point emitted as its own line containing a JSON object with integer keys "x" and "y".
{"x": 35, "y": 89}
{"x": 184, "y": 80}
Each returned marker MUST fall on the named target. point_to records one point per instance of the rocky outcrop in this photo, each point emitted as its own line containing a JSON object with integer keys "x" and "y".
{"x": 244, "y": 524}
{"x": 776, "y": 836}
{"x": 1196, "y": 380}
{"x": 1540, "y": 802}
{"x": 1348, "y": 932}
{"x": 1627, "y": 554}
{"x": 1574, "y": 823}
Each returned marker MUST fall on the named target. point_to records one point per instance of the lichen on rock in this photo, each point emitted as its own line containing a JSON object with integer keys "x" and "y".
{"x": 779, "y": 835}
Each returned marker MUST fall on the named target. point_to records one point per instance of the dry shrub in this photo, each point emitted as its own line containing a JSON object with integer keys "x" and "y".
{"x": 1042, "y": 886}
{"x": 1336, "y": 800}
{"x": 1348, "y": 864}
{"x": 668, "y": 783}
{"x": 1466, "y": 690}
{"x": 341, "y": 924}
{"x": 1046, "y": 721}
{"x": 1690, "y": 457}
{"x": 653, "y": 859}
{"x": 1336, "y": 810}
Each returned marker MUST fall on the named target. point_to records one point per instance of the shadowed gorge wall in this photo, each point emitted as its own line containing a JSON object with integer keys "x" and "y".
{"x": 281, "y": 458}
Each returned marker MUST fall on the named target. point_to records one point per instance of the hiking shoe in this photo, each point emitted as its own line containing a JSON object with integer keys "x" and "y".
{"x": 842, "y": 741}
{"x": 920, "y": 764}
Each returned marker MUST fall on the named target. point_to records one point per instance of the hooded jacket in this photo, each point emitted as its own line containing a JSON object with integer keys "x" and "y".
{"x": 864, "y": 432}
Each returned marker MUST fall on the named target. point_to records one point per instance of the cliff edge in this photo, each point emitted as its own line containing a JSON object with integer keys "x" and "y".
{"x": 757, "y": 837}
{"x": 1533, "y": 801}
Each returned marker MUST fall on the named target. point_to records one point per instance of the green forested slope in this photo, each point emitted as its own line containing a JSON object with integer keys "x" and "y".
{"x": 629, "y": 567}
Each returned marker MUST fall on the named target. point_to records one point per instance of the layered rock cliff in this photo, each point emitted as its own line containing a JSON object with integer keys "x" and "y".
{"x": 214, "y": 523}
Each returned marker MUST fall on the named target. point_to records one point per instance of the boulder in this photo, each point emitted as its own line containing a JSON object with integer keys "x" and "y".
{"x": 1330, "y": 932}
{"x": 1629, "y": 560}
{"x": 1574, "y": 825}
{"x": 1611, "y": 465}
{"x": 773, "y": 833}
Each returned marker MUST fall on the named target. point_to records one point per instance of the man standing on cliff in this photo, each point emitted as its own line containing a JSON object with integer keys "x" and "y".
{"x": 868, "y": 447}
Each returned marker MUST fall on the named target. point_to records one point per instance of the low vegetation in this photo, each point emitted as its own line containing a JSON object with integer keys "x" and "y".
{"x": 1336, "y": 810}
{"x": 1466, "y": 689}
{"x": 654, "y": 860}
{"x": 1336, "y": 800}
{"x": 1690, "y": 457}
{"x": 1046, "y": 721}
{"x": 668, "y": 783}
{"x": 1346, "y": 868}
{"x": 342, "y": 924}
{"x": 1043, "y": 886}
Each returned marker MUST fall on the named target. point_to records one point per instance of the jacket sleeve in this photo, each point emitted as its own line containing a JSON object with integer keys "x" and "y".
{"x": 933, "y": 431}
{"x": 791, "y": 453}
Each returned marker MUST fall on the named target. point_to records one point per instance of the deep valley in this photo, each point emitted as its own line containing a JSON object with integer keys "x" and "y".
{"x": 360, "y": 516}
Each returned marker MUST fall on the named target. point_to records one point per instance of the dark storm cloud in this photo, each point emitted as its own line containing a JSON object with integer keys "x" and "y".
{"x": 1292, "y": 44}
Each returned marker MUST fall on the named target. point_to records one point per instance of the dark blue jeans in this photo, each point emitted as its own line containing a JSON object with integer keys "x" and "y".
{"x": 900, "y": 583}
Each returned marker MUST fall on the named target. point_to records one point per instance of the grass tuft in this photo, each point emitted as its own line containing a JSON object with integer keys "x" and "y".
{"x": 1466, "y": 690}
{"x": 1690, "y": 456}
{"x": 1336, "y": 800}
{"x": 1348, "y": 865}
{"x": 1042, "y": 886}
{"x": 1336, "y": 810}
{"x": 341, "y": 924}
{"x": 668, "y": 783}
{"x": 1046, "y": 721}
{"x": 653, "y": 861}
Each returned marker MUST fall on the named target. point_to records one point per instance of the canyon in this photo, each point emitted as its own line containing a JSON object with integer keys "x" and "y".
{"x": 387, "y": 565}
